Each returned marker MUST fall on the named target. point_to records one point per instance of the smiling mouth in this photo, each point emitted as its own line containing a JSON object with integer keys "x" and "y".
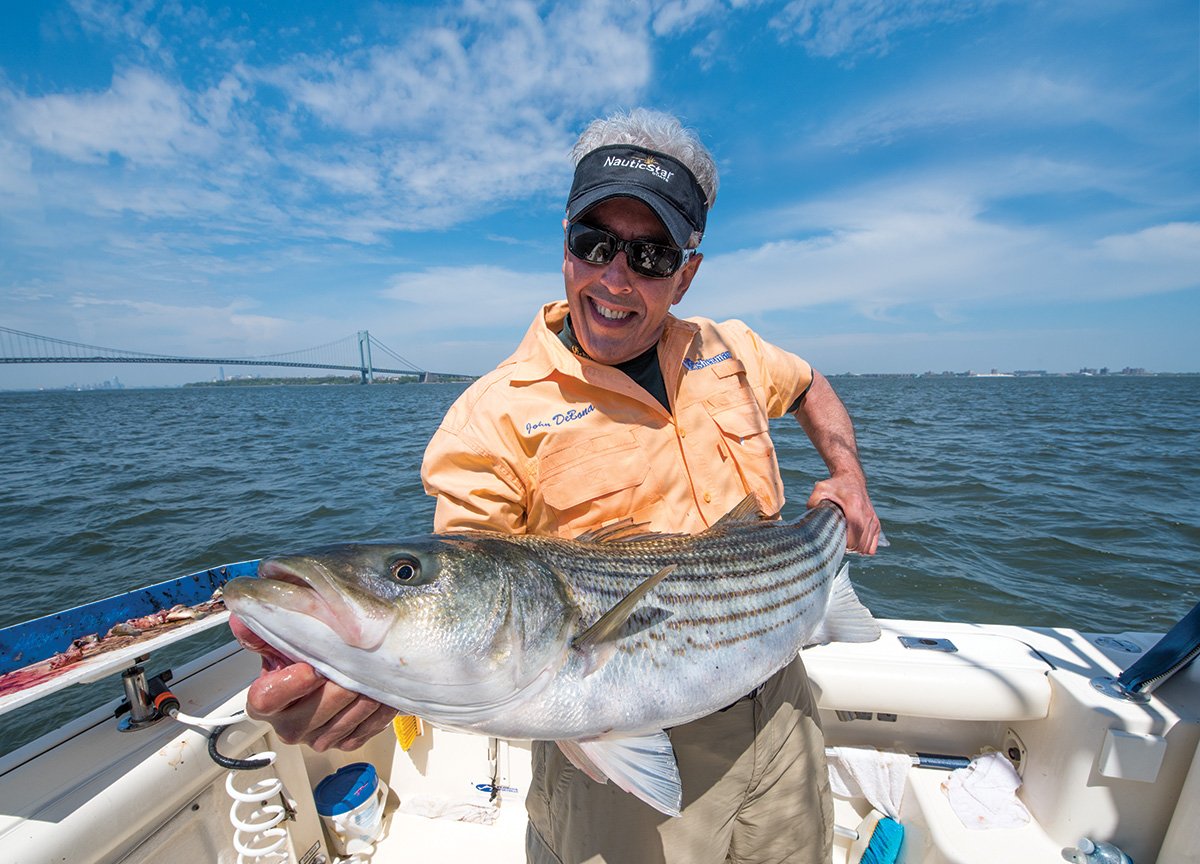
{"x": 610, "y": 314}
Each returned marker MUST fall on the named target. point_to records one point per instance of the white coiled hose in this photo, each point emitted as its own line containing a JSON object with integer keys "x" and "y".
{"x": 257, "y": 837}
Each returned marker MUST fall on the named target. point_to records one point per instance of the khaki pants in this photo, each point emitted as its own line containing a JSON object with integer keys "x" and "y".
{"x": 755, "y": 789}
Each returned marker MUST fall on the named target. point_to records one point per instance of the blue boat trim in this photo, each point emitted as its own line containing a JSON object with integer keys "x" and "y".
{"x": 33, "y": 641}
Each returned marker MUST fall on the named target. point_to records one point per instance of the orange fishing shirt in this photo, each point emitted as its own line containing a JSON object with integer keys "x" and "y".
{"x": 555, "y": 444}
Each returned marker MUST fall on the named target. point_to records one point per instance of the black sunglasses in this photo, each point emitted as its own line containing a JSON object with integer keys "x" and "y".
{"x": 597, "y": 246}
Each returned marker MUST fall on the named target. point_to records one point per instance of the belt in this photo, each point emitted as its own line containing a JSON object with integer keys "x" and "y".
{"x": 749, "y": 695}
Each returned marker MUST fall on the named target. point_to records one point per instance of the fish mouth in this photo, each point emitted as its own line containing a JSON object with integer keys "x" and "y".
{"x": 306, "y": 587}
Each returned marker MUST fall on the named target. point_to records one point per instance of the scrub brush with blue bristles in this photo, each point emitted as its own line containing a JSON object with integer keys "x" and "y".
{"x": 877, "y": 840}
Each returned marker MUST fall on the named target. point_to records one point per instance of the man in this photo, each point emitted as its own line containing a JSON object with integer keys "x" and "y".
{"x": 613, "y": 408}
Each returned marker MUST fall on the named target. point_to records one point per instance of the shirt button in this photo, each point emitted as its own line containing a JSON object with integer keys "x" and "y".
{"x": 707, "y": 497}
{"x": 682, "y": 432}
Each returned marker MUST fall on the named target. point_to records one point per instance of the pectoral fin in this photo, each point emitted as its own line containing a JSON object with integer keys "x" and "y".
{"x": 610, "y": 622}
{"x": 644, "y": 766}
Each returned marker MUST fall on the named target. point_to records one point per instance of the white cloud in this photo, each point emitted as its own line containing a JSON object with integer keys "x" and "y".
{"x": 471, "y": 296}
{"x": 1174, "y": 244}
{"x": 1043, "y": 346}
{"x": 469, "y": 75}
{"x": 680, "y": 15}
{"x": 470, "y": 106}
{"x": 231, "y": 329}
{"x": 1012, "y": 99}
{"x": 142, "y": 118}
{"x": 16, "y": 172}
{"x": 464, "y": 113}
{"x": 356, "y": 174}
{"x": 120, "y": 20}
{"x": 928, "y": 243}
{"x": 829, "y": 28}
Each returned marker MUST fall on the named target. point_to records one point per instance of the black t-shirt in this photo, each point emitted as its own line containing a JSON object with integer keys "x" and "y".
{"x": 643, "y": 369}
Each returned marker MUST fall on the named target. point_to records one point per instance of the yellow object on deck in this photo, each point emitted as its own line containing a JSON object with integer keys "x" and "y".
{"x": 407, "y": 729}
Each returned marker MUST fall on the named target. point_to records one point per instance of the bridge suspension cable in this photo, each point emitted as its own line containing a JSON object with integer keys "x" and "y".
{"x": 19, "y": 346}
{"x": 388, "y": 351}
{"x": 18, "y": 343}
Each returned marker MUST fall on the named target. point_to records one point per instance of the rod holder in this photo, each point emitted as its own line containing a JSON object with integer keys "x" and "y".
{"x": 143, "y": 701}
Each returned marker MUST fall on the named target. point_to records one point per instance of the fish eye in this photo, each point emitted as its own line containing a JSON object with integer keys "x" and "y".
{"x": 405, "y": 569}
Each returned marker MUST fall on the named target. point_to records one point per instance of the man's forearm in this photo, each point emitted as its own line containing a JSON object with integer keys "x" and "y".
{"x": 827, "y": 423}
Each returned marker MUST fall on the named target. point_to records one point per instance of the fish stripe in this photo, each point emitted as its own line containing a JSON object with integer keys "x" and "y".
{"x": 733, "y": 586}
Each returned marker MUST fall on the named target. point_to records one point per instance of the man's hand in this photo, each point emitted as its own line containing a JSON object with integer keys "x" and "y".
{"x": 825, "y": 421}
{"x": 862, "y": 525}
{"x": 305, "y": 708}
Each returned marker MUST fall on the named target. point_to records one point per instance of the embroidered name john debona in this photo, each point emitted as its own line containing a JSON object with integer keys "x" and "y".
{"x": 559, "y": 419}
{"x": 693, "y": 365}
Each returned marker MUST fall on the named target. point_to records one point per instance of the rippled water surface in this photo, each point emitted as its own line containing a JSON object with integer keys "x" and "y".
{"x": 1044, "y": 501}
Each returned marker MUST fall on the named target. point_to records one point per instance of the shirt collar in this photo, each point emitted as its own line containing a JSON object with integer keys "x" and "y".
{"x": 542, "y": 353}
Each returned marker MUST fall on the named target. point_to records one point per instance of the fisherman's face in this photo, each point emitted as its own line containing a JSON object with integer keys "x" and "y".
{"x": 616, "y": 313}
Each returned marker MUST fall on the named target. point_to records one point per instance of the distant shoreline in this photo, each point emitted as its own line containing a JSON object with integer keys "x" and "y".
{"x": 1018, "y": 374}
{"x": 339, "y": 381}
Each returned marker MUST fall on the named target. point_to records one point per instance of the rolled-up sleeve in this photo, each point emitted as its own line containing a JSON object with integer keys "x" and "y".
{"x": 782, "y": 377}
{"x": 475, "y": 489}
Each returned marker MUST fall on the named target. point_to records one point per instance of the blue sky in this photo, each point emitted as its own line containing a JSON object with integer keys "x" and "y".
{"x": 905, "y": 186}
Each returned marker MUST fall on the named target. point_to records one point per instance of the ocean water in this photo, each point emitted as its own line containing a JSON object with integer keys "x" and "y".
{"x": 1040, "y": 501}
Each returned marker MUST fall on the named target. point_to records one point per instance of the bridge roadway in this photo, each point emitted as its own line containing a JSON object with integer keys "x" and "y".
{"x": 423, "y": 376}
{"x": 216, "y": 361}
{"x": 42, "y": 349}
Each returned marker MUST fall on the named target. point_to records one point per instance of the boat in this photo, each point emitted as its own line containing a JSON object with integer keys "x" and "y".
{"x": 1100, "y": 731}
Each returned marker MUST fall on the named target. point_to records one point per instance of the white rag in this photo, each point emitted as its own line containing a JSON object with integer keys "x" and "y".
{"x": 435, "y": 807}
{"x": 878, "y": 776}
{"x": 984, "y": 794}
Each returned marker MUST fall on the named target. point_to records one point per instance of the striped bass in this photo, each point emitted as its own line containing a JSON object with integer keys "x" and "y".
{"x": 598, "y": 643}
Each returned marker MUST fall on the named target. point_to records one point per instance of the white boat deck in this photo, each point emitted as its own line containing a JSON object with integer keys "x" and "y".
{"x": 1091, "y": 765}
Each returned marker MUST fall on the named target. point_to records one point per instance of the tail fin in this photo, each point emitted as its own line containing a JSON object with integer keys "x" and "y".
{"x": 846, "y": 619}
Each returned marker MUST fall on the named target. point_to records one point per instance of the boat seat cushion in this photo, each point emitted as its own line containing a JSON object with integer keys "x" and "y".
{"x": 989, "y": 677}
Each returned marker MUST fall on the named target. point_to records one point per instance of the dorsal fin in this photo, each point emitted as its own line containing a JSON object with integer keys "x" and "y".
{"x": 623, "y": 531}
{"x": 746, "y": 511}
{"x": 612, "y": 620}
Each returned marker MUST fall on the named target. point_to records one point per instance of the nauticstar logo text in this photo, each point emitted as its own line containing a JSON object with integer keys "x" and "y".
{"x": 702, "y": 362}
{"x": 645, "y": 164}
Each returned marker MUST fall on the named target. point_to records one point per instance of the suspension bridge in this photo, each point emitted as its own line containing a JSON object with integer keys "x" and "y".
{"x": 356, "y": 353}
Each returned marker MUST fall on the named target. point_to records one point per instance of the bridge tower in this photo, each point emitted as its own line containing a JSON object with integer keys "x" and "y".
{"x": 364, "y": 356}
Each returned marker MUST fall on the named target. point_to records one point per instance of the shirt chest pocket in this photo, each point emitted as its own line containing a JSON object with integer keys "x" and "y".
{"x": 743, "y": 423}
{"x": 586, "y": 480}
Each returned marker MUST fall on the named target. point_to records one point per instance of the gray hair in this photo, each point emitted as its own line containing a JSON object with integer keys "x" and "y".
{"x": 654, "y": 131}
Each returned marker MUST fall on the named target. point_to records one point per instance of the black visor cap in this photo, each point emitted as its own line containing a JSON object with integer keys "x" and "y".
{"x": 661, "y": 182}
